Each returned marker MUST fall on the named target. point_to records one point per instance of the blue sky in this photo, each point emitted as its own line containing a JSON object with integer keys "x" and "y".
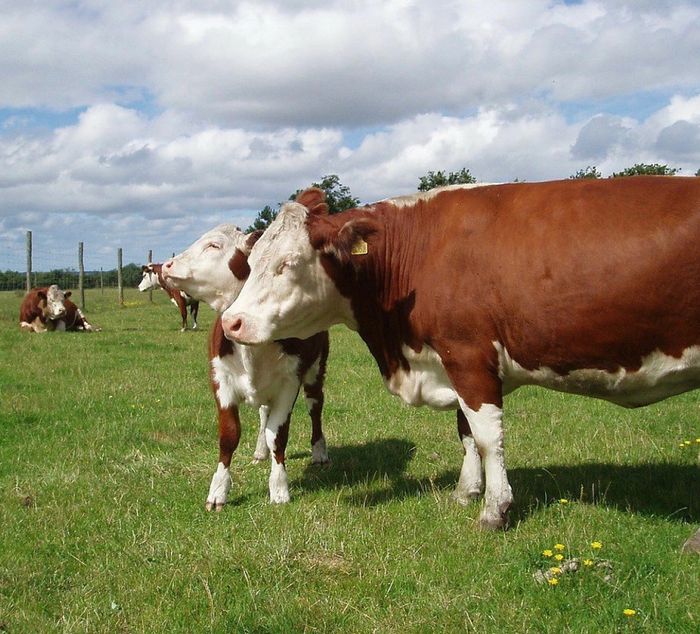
{"x": 142, "y": 125}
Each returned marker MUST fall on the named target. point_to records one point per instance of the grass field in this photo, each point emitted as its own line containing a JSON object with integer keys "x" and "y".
{"x": 108, "y": 443}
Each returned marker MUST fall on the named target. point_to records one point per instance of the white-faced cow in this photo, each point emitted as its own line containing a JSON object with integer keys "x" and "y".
{"x": 464, "y": 294}
{"x": 153, "y": 278}
{"x": 48, "y": 308}
{"x": 268, "y": 377}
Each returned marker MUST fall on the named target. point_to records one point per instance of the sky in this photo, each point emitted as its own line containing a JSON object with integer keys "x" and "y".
{"x": 142, "y": 125}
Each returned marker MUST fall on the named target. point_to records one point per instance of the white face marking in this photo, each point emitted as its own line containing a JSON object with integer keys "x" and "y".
{"x": 411, "y": 199}
{"x": 149, "y": 281}
{"x": 55, "y": 299}
{"x": 659, "y": 377}
{"x": 426, "y": 382}
{"x": 288, "y": 293}
{"x": 202, "y": 270}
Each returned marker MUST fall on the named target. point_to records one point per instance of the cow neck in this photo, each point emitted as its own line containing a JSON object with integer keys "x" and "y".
{"x": 379, "y": 285}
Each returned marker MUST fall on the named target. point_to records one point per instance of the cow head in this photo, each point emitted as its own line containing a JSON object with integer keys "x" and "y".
{"x": 54, "y": 299}
{"x": 215, "y": 267}
{"x": 149, "y": 281}
{"x": 291, "y": 291}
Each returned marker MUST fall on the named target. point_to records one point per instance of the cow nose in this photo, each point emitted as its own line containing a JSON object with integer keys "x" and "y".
{"x": 168, "y": 265}
{"x": 232, "y": 326}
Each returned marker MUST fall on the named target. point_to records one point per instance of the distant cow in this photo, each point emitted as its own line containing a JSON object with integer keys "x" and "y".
{"x": 464, "y": 294}
{"x": 153, "y": 278}
{"x": 268, "y": 377}
{"x": 48, "y": 308}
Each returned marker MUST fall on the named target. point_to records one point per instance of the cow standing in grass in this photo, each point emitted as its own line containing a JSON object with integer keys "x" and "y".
{"x": 268, "y": 377}
{"x": 48, "y": 308}
{"x": 153, "y": 278}
{"x": 463, "y": 294}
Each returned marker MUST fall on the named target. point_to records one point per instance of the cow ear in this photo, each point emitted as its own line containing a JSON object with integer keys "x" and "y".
{"x": 144, "y": 268}
{"x": 41, "y": 295}
{"x": 314, "y": 199}
{"x": 67, "y": 294}
{"x": 353, "y": 239}
{"x": 252, "y": 238}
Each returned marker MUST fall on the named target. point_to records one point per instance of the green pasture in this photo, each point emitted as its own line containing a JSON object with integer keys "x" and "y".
{"x": 108, "y": 444}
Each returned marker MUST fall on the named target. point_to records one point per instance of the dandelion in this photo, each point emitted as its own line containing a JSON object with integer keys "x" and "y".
{"x": 555, "y": 570}
{"x": 596, "y": 545}
{"x": 682, "y": 446}
{"x": 697, "y": 440}
{"x": 686, "y": 443}
{"x": 553, "y": 581}
{"x": 558, "y": 556}
{"x": 547, "y": 552}
{"x": 629, "y": 612}
{"x": 563, "y": 501}
{"x": 587, "y": 562}
{"x": 559, "y": 547}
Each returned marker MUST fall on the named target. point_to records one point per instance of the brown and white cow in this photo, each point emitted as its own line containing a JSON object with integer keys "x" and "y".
{"x": 48, "y": 308}
{"x": 464, "y": 294}
{"x": 153, "y": 278}
{"x": 268, "y": 377}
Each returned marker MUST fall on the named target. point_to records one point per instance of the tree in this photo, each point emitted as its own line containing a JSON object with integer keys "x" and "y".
{"x": 338, "y": 197}
{"x": 646, "y": 169}
{"x": 591, "y": 171}
{"x": 440, "y": 179}
{"x": 697, "y": 173}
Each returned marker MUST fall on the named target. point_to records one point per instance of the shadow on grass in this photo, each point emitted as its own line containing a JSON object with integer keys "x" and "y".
{"x": 374, "y": 473}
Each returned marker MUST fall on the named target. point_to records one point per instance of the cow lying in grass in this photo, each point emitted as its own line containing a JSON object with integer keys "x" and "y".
{"x": 268, "y": 377}
{"x": 153, "y": 278}
{"x": 48, "y": 308}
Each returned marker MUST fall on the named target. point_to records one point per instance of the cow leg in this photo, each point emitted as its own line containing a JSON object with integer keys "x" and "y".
{"x": 276, "y": 434}
{"x": 261, "y": 451}
{"x": 313, "y": 395}
{"x": 487, "y": 429}
{"x": 194, "y": 311}
{"x": 182, "y": 307}
{"x": 229, "y": 436}
{"x": 470, "y": 482}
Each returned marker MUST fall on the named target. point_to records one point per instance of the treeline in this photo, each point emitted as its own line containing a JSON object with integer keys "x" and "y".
{"x": 68, "y": 278}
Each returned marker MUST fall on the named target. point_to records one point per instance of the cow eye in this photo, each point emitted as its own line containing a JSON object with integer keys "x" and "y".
{"x": 280, "y": 268}
{"x": 213, "y": 245}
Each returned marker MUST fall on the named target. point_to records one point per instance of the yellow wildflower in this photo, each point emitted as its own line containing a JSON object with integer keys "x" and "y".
{"x": 559, "y": 546}
{"x": 697, "y": 440}
{"x": 563, "y": 501}
{"x": 629, "y": 612}
{"x": 547, "y": 552}
{"x": 686, "y": 442}
{"x": 596, "y": 545}
{"x": 555, "y": 570}
{"x": 587, "y": 562}
{"x": 558, "y": 556}
{"x": 553, "y": 581}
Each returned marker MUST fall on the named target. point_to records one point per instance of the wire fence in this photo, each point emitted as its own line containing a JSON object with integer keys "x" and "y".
{"x": 41, "y": 262}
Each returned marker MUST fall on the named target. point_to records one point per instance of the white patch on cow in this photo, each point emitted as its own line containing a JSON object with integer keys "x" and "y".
{"x": 219, "y": 488}
{"x": 149, "y": 281}
{"x": 262, "y": 451}
{"x": 288, "y": 293}
{"x": 487, "y": 430}
{"x": 470, "y": 482}
{"x": 202, "y": 270}
{"x": 279, "y": 486}
{"x": 425, "y": 382}
{"x": 658, "y": 377}
{"x": 254, "y": 376}
{"x": 410, "y": 200}
{"x": 319, "y": 452}
{"x": 55, "y": 306}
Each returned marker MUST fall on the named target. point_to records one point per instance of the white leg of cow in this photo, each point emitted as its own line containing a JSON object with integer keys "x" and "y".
{"x": 219, "y": 488}
{"x": 276, "y": 434}
{"x": 487, "y": 429}
{"x": 471, "y": 481}
{"x": 261, "y": 450}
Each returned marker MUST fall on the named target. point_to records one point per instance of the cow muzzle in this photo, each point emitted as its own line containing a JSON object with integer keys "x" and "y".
{"x": 240, "y": 328}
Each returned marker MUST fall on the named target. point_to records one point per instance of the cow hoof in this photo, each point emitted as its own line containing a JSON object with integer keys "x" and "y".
{"x": 465, "y": 498}
{"x": 493, "y": 521}
{"x": 279, "y": 498}
{"x": 260, "y": 457}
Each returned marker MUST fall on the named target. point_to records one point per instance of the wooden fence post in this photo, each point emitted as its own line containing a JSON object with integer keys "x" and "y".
{"x": 81, "y": 276}
{"x": 29, "y": 261}
{"x": 120, "y": 286}
{"x": 102, "y": 283}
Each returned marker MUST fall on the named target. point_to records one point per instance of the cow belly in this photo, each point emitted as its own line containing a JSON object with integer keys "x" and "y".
{"x": 425, "y": 382}
{"x": 658, "y": 377}
{"x": 253, "y": 375}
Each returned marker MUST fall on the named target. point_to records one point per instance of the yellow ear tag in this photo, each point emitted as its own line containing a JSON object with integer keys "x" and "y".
{"x": 359, "y": 248}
